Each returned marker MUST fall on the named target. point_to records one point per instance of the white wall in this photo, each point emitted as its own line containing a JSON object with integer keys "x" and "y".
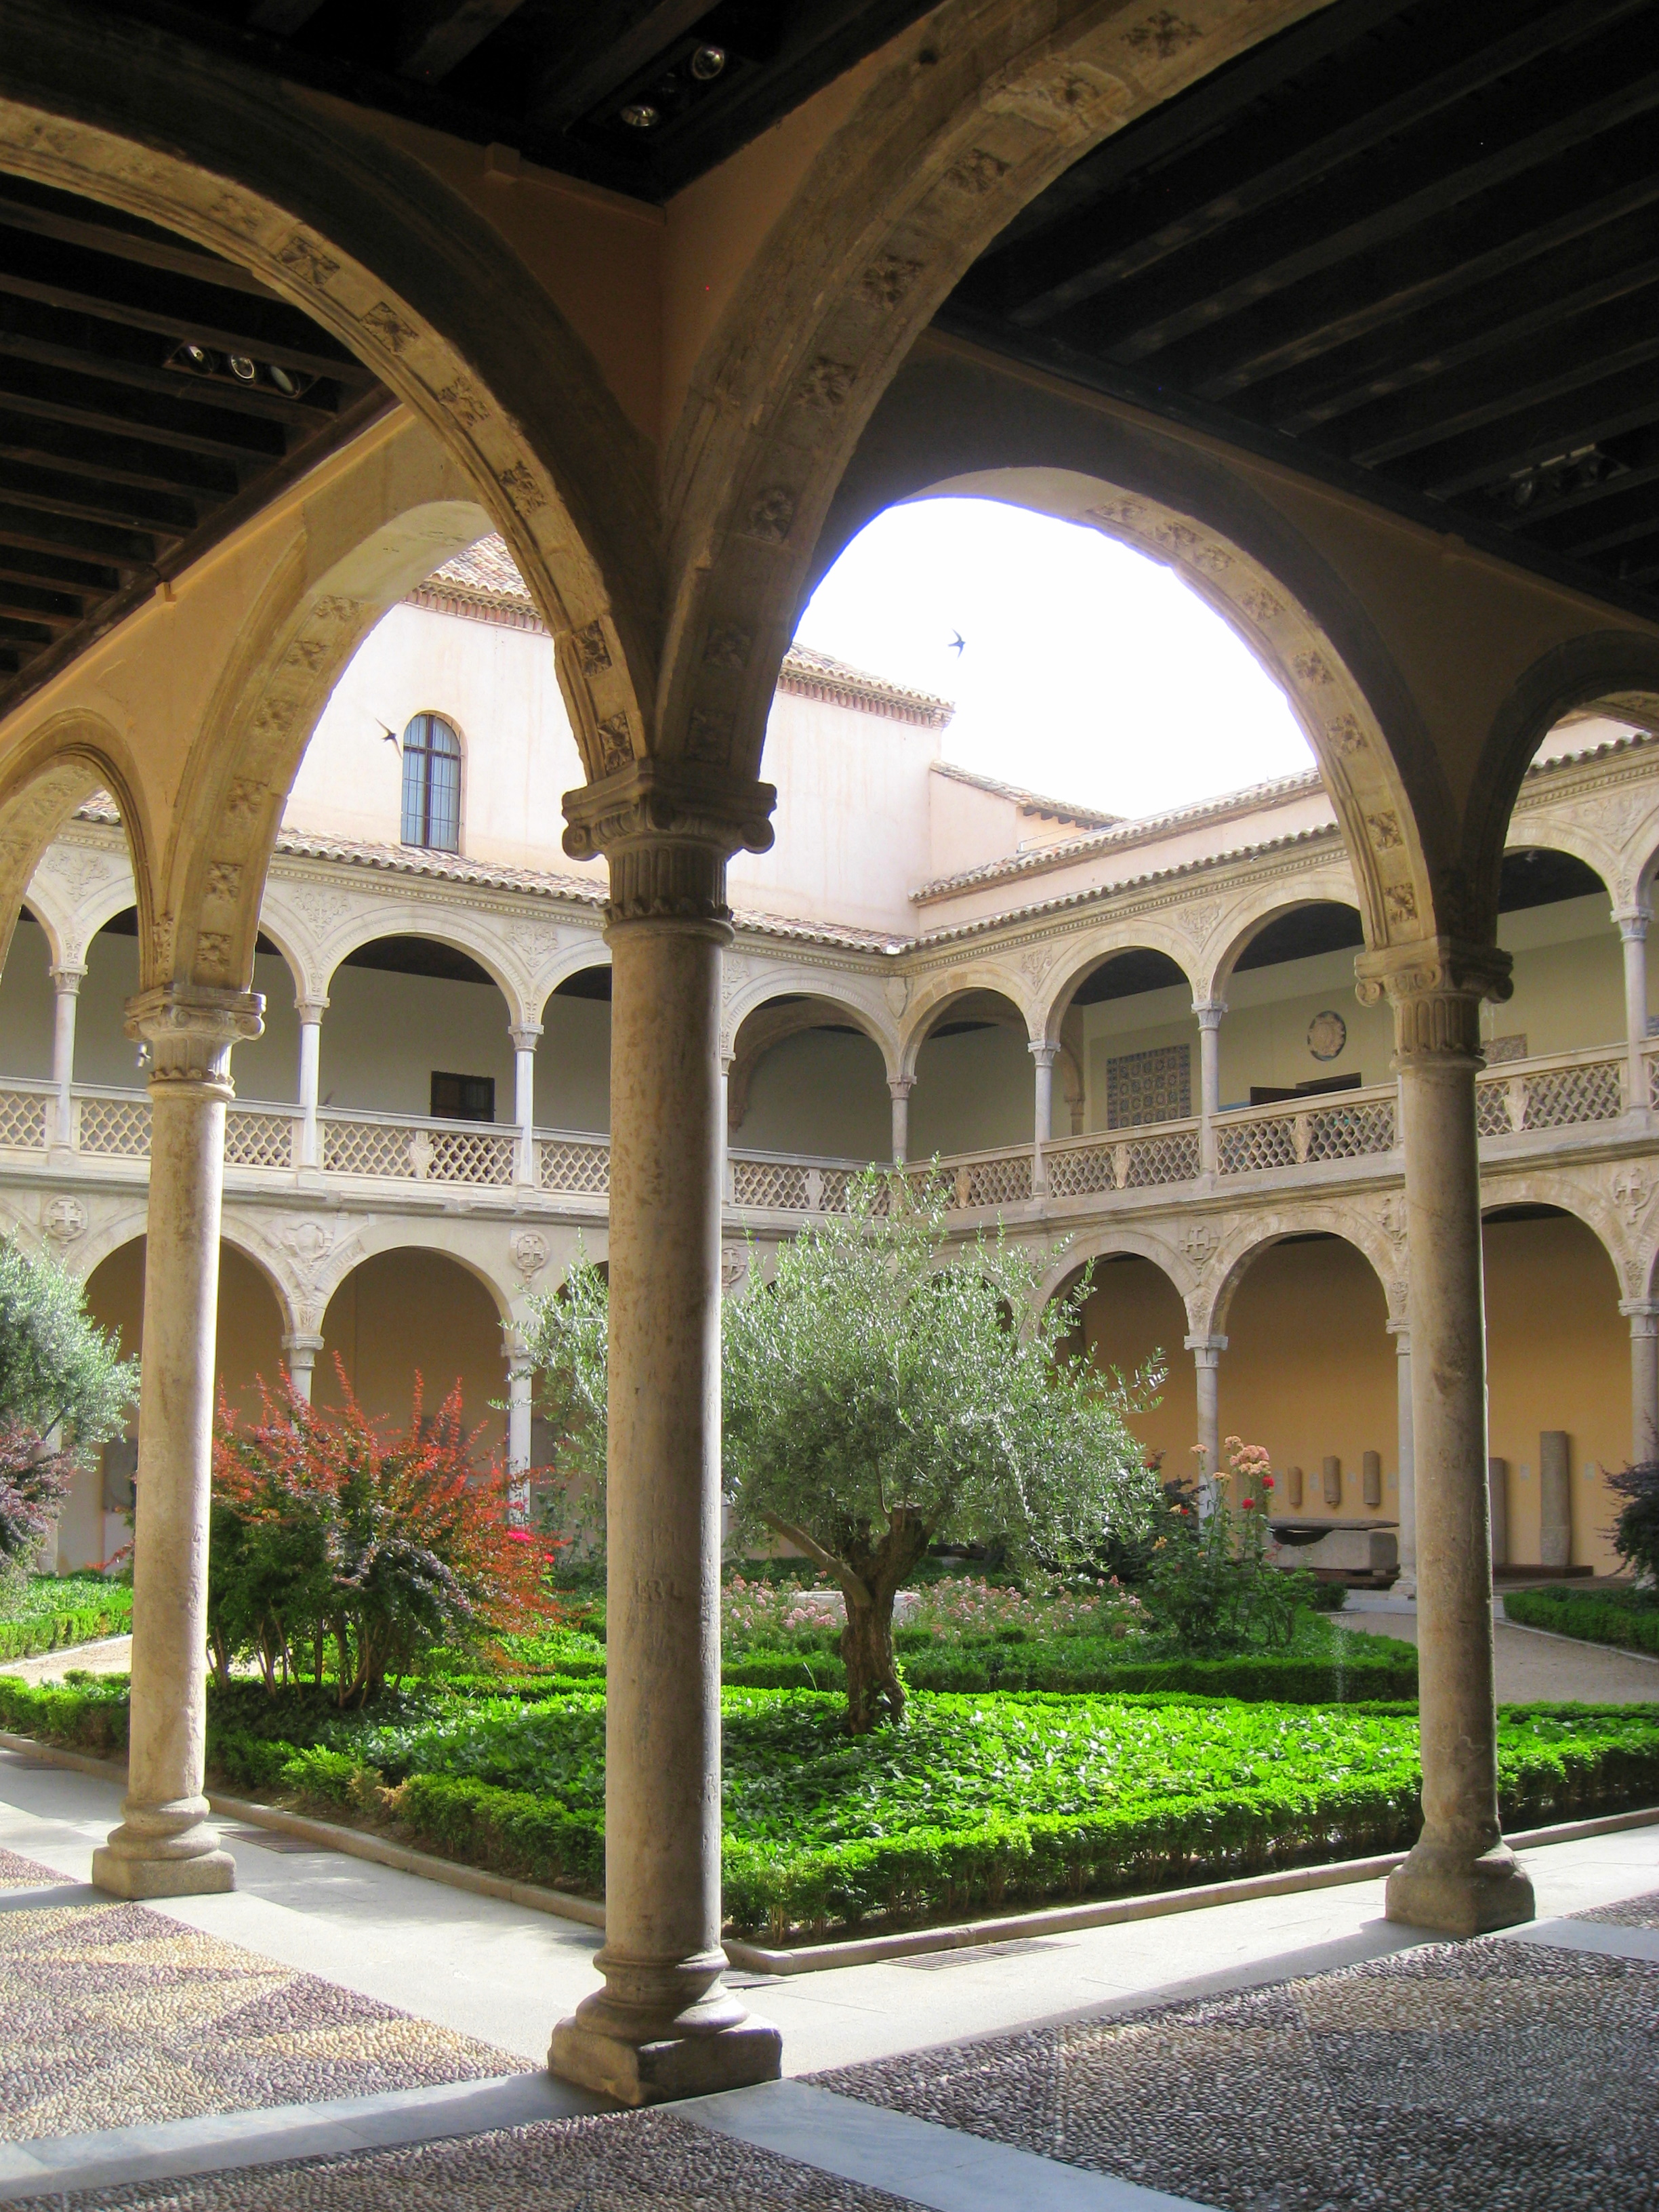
{"x": 383, "y": 1036}
{"x": 27, "y": 1011}
{"x": 822, "y": 1092}
{"x": 973, "y": 1091}
{"x": 573, "y": 1067}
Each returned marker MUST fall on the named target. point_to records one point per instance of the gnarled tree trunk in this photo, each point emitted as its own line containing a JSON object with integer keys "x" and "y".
{"x": 874, "y": 1692}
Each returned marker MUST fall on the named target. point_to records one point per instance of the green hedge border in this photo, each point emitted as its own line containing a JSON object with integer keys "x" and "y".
{"x": 53, "y": 1632}
{"x": 1591, "y": 1616}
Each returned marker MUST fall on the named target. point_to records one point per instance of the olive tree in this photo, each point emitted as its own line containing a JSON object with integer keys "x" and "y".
{"x": 883, "y": 1391}
{"x": 63, "y": 1391}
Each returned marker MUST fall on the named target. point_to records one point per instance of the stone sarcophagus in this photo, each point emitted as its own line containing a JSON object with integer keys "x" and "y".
{"x": 1359, "y": 1550}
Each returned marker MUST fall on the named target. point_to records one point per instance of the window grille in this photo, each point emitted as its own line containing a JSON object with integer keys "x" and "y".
{"x": 432, "y": 785}
{"x": 1149, "y": 1086}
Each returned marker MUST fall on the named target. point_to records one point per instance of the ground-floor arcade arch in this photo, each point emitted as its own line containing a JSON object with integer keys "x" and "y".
{"x": 412, "y": 1311}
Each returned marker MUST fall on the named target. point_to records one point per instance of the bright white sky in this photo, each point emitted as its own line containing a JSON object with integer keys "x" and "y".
{"x": 1087, "y": 672}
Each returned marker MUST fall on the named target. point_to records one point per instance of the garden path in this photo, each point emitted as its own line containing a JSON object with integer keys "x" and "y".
{"x": 1531, "y": 1665}
{"x": 1041, "y": 2020}
{"x": 110, "y": 1655}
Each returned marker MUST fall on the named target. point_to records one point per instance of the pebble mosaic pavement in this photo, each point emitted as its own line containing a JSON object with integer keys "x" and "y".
{"x": 117, "y": 2016}
{"x": 631, "y": 2162}
{"x": 1503, "y": 2075}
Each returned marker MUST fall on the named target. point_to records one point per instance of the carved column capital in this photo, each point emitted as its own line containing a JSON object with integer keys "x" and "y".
{"x": 66, "y": 978}
{"x": 191, "y": 1028}
{"x": 1044, "y": 1054}
{"x": 1209, "y": 1012}
{"x": 525, "y": 1035}
{"x": 667, "y": 832}
{"x": 1435, "y": 987}
{"x": 900, "y": 1086}
{"x": 310, "y": 1011}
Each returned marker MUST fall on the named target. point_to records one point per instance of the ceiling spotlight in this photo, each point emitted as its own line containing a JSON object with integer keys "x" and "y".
{"x": 284, "y": 382}
{"x": 241, "y": 367}
{"x": 640, "y": 115}
{"x": 196, "y": 357}
{"x": 707, "y": 64}
{"x": 1521, "y": 489}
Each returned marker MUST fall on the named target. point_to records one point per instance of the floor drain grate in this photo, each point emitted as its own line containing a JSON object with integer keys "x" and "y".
{"x": 968, "y": 1954}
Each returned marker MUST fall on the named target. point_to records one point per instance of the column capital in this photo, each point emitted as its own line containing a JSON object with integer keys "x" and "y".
{"x": 524, "y": 1036}
{"x": 900, "y": 1086}
{"x": 520, "y": 1366}
{"x": 1633, "y": 922}
{"x": 301, "y": 1344}
{"x": 1643, "y": 1314}
{"x": 1044, "y": 1054}
{"x": 1209, "y": 1012}
{"x": 1207, "y": 1350}
{"x": 311, "y": 1010}
{"x": 1400, "y": 1331}
{"x": 66, "y": 976}
{"x": 189, "y": 1028}
{"x": 1436, "y": 985}
{"x": 667, "y": 827}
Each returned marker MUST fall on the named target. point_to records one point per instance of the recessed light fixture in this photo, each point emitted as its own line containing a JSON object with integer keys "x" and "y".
{"x": 244, "y": 370}
{"x": 707, "y": 62}
{"x": 196, "y": 357}
{"x": 284, "y": 382}
{"x": 640, "y": 115}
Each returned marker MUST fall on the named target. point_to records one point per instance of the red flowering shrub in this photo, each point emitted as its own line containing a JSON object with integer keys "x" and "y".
{"x": 334, "y": 1543}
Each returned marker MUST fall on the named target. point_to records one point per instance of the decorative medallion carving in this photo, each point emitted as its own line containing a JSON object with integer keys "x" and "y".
{"x": 827, "y": 384}
{"x": 592, "y": 649}
{"x": 1385, "y": 830}
{"x": 771, "y": 514}
{"x": 728, "y": 645}
{"x": 393, "y": 331}
{"x": 63, "y": 1219}
{"x": 529, "y": 1248}
{"x": 1164, "y": 34}
{"x": 616, "y": 744}
{"x": 710, "y": 735}
{"x": 1327, "y": 1036}
{"x": 977, "y": 173}
{"x": 887, "y": 279}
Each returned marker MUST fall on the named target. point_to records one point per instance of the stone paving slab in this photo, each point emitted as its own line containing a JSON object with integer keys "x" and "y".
{"x": 627, "y": 2162}
{"x": 1502, "y": 2074}
{"x": 117, "y": 2015}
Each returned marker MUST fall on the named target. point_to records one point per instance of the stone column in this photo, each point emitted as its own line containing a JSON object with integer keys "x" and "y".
{"x": 310, "y": 1011}
{"x": 663, "y": 2026}
{"x": 1043, "y": 1057}
{"x": 1206, "y": 1353}
{"x": 66, "y": 984}
{"x": 523, "y": 1100}
{"x": 899, "y": 1088}
{"x": 1209, "y": 1014}
{"x": 1406, "y": 1584}
{"x": 163, "y": 1847}
{"x": 1554, "y": 1499}
{"x": 520, "y": 1374}
{"x": 1633, "y": 928}
{"x": 1643, "y": 1317}
{"x": 1461, "y": 1876}
{"x": 299, "y": 1350}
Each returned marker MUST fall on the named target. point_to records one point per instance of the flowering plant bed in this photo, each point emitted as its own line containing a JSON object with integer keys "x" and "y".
{"x": 971, "y": 1804}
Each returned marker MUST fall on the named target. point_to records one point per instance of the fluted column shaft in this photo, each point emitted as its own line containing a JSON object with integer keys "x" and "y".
{"x": 163, "y": 1847}
{"x": 663, "y": 2026}
{"x": 1461, "y": 1876}
{"x": 66, "y": 985}
{"x": 899, "y": 1089}
{"x": 1043, "y": 1057}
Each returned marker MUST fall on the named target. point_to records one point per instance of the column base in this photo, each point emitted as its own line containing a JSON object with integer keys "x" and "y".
{"x": 1441, "y": 1887}
{"x": 164, "y": 1851}
{"x": 665, "y": 2067}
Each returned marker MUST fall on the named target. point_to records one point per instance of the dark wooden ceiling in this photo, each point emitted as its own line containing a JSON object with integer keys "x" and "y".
{"x": 1406, "y": 245}
{"x": 152, "y": 397}
{"x": 643, "y": 95}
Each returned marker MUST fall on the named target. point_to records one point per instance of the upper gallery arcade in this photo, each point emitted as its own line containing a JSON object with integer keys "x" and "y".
{"x": 1340, "y": 308}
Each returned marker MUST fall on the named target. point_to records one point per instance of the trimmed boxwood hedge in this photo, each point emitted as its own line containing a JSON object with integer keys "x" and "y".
{"x": 1555, "y": 1762}
{"x": 1628, "y": 1617}
{"x": 52, "y": 1630}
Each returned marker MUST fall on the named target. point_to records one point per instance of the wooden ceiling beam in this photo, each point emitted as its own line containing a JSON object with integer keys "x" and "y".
{"x": 1467, "y": 321}
{"x": 607, "y": 42}
{"x": 79, "y": 579}
{"x": 1490, "y": 456}
{"x": 26, "y": 530}
{"x": 27, "y": 634}
{"x": 1436, "y": 264}
{"x": 282, "y": 18}
{"x": 86, "y": 499}
{"x": 30, "y": 387}
{"x": 1284, "y": 149}
{"x": 57, "y": 610}
{"x": 86, "y": 451}
{"x": 1473, "y": 153}
{"x": 1543, "y": 367}
{"x": 173, "y": 307}
{"x": 99, "y": 232}
{"x": 436, "y": 36}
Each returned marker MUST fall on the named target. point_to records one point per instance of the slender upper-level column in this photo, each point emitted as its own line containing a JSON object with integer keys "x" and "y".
{"x": 524, "y": 1098}
{"x": 163, "y": 1847}
{"x": 1206, "y": 1353}
{"x": 1644, "y": 1317}
{"x": 1633, "y": 928}
{"x": 311, "y": 1012}
{"x": 299, "y": 1351}
{"x": 520, "y": 1376}
{"x": 1043, "y": 1057}
{"x": 66, "y": 984}
{"x": 899, "y": 1089}
{"x": 1461, "y": 1876}
{"x": 1406, "y": 1585}
{"x": 1209, "y": 1014}
{"x": 663, "y": 2026}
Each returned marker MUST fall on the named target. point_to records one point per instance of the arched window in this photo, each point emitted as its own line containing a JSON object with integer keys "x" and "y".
{"x": 432, "y": 785}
